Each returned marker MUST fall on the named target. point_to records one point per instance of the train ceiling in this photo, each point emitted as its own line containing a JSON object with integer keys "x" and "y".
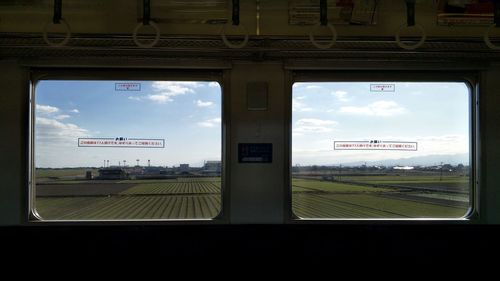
{"x": 251, "y": 28}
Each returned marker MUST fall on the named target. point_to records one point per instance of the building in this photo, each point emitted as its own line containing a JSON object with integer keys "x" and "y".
{"x": 212, "y": 167}
{"x": 112, "y": 173}
{"x": 154, "y": 171}
{"x": 184, "y": 168}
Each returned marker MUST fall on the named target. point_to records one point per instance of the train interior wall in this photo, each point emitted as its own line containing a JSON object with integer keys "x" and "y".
{"x": 256, "y": 193}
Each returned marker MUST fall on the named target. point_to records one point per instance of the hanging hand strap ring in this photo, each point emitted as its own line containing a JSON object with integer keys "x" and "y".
{"x": 323, "y": 21}
{"x": 410, "y": 22}
{"x": 146, "y": 20}
{"x": 486, "y": 36}
{"x": 235, "y": 19}
{"x": 57, "y": 19}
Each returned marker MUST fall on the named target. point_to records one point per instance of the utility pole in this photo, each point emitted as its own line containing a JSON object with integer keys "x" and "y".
{"x": 441, "y": 173}
{"x": 331, "y": 172}
{"x": 340, "y": 172}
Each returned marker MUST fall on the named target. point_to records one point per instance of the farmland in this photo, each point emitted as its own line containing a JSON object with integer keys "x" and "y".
{"x": 200, "y": 198}
{"x": 381, "y": 197}
{"x": 129, "y": 200}
{"x": 62, "y": 174}
{"x": 129, "y": 208}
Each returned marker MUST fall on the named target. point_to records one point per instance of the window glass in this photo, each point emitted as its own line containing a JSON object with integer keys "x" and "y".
{"x": 381, "y": 150}
{"x": 127, "y": 150}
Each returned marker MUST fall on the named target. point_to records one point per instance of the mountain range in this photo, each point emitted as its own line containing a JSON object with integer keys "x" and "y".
{"x": 429, "y": 160}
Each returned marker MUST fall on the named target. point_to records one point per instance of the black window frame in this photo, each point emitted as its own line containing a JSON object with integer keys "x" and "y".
{"x": 121, "y": 74}
{"x": 470, "y": 78}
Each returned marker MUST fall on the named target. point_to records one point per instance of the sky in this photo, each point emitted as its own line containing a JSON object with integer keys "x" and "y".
{"x": 435, "y": 115}
{"x": 186, "y": 114}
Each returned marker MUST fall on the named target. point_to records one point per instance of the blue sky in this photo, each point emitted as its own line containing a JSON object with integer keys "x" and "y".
{"x": 436, "y": 115}
{"x": 186, "y": 114}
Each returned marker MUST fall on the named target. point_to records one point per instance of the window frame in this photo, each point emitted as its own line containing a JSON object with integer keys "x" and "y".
{"x": 119, "y": 74}
{"x": 469, "y": 78}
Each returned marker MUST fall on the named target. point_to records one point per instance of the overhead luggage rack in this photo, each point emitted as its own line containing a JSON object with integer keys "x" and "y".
{"x": 84, "y": 45}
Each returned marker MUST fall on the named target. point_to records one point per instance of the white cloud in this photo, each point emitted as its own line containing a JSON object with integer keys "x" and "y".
{"x": 311, "y": 125}
{"x": 169, "y": 85}
{"x": 315, "y": 122}
{"x": 57, "y": 144}
{"x": 61, "y": 117}
{"x": 134, "y": 98}
{"x": 53, "y": 132}
{"x": 160, "y": 98}
{"x": 318, "y": 151}
{"x": 166, "y": 90}
{"x": 201, "y": 103}
{"x": 446, "y": 144}
{"x": 210, "y": 123}
{"x": 313, "y": 87}
{"x": 213, "y": 84}
{"x": 379, "y": 108}
{"x": 46, "y": 109}
{"x": 299, "y": 106}
{"x": 74, "y": 111}
{"x": 340, "y": 95}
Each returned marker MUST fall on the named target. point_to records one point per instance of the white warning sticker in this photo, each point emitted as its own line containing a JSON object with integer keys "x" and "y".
{"x": 121, "y": 142}
{"x": 375, "y": 145}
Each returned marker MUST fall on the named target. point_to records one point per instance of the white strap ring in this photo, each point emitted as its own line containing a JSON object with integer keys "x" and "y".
{"x": 66, "y": 37}
{"x": 327, "y": 45}
{"x": 231, "y": 45}
{"x": 411, "y": 47}
{"x": 146, "y": 45}
{"x": 487, "y": 40}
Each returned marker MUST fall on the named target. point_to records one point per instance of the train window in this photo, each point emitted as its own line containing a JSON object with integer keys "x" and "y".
{"x": 381, "y": 150}
{"x": 126, "y": 150}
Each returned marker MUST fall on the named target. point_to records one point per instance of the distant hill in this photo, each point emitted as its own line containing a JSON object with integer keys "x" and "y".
{"x": 430, "y": 160}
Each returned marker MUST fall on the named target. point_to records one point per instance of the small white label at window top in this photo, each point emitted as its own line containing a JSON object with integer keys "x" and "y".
{"x": 382, "y": 87}
{"x": 127, "y": 86}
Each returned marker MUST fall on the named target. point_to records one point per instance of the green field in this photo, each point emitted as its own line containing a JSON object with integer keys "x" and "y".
{"x": 129, "y": 208}
{"x": 183, "y": 199}
{"x": 200, "y": 198}
{"x": 368, "y": 206}
{"x": 175, "y": 188}
{"x": 63, "y": 173}
{"x": 316, "y": 185}
{"x": 377, "y": 197}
